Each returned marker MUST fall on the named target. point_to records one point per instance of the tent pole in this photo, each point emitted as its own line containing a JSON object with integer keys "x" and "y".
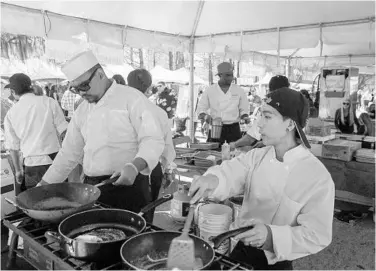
{"x": 191, "y": 129}
{"x": 191, "y": 92}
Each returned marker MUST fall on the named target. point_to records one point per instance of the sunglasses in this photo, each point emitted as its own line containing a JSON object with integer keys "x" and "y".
{"x": 84, "y": 86}
{"x": 346, "y": 104}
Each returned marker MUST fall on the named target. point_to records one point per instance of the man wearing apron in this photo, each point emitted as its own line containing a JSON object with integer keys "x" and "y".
{"x": 226, "y": 101}
{"x": 114, "y": 131}
{"x": 288, "y": 192}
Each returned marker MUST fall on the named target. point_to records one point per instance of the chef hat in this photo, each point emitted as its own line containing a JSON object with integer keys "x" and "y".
{"x": 79, "y": 64}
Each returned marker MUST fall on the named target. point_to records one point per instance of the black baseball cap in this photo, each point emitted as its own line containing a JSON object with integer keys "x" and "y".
{"x": 19, "y": 82}
{"x": 278, "y": 81}
{"x": 291, "y": 104}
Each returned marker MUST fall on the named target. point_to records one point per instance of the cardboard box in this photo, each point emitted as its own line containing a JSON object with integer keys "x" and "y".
{"x": 318, "y": 127}
{"x": 340, "y": 149}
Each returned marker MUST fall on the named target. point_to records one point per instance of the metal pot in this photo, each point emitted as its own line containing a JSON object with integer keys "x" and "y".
{"x": 135, "y": 251}
{"x": 129, "y": 222}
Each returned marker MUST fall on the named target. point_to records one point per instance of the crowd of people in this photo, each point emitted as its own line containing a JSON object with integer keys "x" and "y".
{"x": 124, "y": 131}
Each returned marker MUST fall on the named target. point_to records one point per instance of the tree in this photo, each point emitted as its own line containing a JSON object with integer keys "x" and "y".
{"x": 170, "y": 61}
{"x": 141, "y": 56}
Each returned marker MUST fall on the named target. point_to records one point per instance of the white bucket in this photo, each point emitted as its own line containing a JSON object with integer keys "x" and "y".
{"x": 214, "y": 219}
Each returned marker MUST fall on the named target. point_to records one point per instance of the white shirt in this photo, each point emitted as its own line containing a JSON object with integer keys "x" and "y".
{"x": 107, "y": 135}
{"x": 32, "y": 126}
{"x": 228, "y": 106}
{"x": 168, "y": 154}
{"x": 294, "y": 197}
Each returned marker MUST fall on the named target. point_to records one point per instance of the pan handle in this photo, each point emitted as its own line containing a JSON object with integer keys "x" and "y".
{"x": 156, "y": 203}
{"x": 108, "y": 181}
{"x": 219, "y": 239}
{"x": 12, "y": 202}
{"x": 54, "y": 236}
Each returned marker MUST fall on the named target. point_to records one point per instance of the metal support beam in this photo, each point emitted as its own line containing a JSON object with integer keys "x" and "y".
{"x": 191, "y": 130}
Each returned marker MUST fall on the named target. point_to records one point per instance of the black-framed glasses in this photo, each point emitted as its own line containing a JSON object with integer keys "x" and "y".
{"x": 84, "y": 86}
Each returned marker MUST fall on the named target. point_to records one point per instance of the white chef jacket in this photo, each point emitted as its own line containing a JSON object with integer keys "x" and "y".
{"x": 229, "y": 107}
{"x": 32, "y": 126}
{"x": 294, "y": 197}
{"x": 110, "y": 133}
{"x": 168, "y": 154}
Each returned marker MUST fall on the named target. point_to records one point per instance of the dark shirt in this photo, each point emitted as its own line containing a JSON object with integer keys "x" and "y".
{"x": 345, "y": 128}
{"x": 167, "y": 101}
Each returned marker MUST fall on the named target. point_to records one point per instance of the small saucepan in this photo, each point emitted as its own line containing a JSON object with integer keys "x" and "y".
{"x": 149, "y": 251}
{"x": 117, "y": 225}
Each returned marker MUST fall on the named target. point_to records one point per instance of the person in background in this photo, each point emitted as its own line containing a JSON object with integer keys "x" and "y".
{"x": 119, "y": 79}
{"x": 288, "y": 192}
{"x": 141, "y": 79}
{"x": 367, "y": 121}
{"x": 32, "y": 127}
{"x": 115, "y": 133}
{"x": 11, "y": 97}
{"x": 38, "y": 91}
{"x": 166, "y": 100}
{"x": 345, "y": 118}
{"x": 226, "y": 101}
{"x": 253, "y": 135}
{"x": 67, "y": 102}
{"x": 312, "y": 109}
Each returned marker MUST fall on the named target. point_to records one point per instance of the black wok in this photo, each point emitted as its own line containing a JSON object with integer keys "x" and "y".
{"x": 77, "y": 224}
{"x": 149, "y": 251}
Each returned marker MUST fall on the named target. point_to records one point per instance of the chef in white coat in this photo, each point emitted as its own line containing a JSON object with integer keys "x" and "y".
{"x": 141, "y": 79}
{"x": 288, "y": 192}
{"x": 114, "y": 130}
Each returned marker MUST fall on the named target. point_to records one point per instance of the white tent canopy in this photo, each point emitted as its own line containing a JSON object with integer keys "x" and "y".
{"x": 182, "y": 76}
{"x": 327, "y": 32}
{"x": 161, "y": 74}
{"x": 240, "y": 26}
{"x": 36, "y": 68}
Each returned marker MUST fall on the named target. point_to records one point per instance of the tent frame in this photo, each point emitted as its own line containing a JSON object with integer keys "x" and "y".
{"x": 193, "y": 37}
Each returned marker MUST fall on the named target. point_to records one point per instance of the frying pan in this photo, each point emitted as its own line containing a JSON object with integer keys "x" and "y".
{"x": 128, "y": 222}
{"x": 149, "y": 251}
{"x": 76, "y": 197}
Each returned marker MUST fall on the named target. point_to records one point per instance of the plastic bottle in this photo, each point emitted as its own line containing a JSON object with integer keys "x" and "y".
{"x": 225, "y": 151}
{"x": 180, "y": 203}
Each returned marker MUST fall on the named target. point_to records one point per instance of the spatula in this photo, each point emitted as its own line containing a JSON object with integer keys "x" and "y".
{"x": 181, "y": 254}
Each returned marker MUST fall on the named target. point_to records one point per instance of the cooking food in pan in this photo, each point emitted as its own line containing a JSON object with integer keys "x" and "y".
{"x": 55, "y": 203}
{"x": 102, "y": 235}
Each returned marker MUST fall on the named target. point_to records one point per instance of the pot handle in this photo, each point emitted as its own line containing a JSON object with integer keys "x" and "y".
{"x": 156, "y": 203}
{"x": 52, "y": 235}
{"x": 219, "y": 239}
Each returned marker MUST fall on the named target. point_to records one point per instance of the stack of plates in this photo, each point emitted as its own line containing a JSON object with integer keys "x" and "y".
{"x": 365, "y": 156}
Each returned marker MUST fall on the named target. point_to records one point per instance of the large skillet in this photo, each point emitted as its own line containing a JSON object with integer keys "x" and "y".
{"x": 135, "y": 251}
{"x": 129, "y": 222}
{"x": 76, "y": 197}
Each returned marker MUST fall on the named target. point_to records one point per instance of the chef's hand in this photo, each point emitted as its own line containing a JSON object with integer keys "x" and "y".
{"x": 255, "y": 237}
{"x": 232, "y": 146}
{"x": 127, "y": 175}
{"x": 19, "y": 177}
{"x": 202, "y": 186}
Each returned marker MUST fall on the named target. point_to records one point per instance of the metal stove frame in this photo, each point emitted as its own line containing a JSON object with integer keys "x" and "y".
{"x": 39, "y": 253}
